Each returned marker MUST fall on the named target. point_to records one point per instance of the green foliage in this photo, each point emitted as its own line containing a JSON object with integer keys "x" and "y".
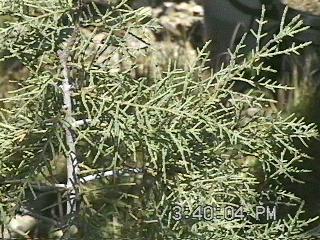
{"x": 193, "y": 136}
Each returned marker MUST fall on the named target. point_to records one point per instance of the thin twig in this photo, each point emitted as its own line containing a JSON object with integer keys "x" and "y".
{"x": 72, "y": 162}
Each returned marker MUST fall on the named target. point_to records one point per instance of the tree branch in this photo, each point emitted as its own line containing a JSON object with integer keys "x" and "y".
{"x": 72, "y": 162}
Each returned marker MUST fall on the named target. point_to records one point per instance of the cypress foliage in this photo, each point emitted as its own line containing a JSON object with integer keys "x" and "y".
{"x": 135, "y": 149}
